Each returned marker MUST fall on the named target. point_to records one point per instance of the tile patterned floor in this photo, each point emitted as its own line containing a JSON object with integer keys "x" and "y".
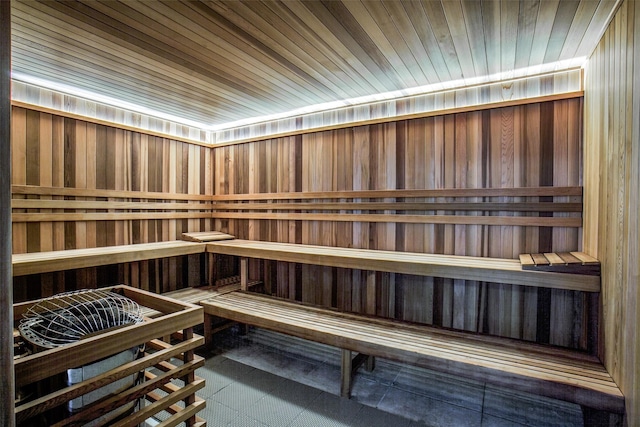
{"x": 271, "y": 380}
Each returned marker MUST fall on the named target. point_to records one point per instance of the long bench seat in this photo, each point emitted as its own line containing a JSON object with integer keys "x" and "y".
{"x": 499, "y": 270}
{"x": 558, "y": 373}
{"x": 45, "y": 262}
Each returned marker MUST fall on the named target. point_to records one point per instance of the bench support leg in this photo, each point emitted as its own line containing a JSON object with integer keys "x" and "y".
{"x": 371, "y": 292}
{"x": 346, "y": 374}
{"x": 211, "y": 269}
{"x": 208, "y": 332}
{"x": 596, "y": 418}
{"x": 349, "y": 367}
{"x": 371, "y": 363}
{"x": 244, "y": 274}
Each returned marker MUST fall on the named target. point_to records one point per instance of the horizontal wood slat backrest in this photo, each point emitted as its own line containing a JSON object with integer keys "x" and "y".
{"x": 438, "y": 206}
{"x": 104, "y": 205}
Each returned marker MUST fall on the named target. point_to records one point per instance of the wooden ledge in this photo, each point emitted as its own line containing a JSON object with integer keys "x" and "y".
{"x": 206, "y": 236}
{"x": 495, "y": 270}
{"x": 44, "y": 262}
{"x": 562, "y": 262}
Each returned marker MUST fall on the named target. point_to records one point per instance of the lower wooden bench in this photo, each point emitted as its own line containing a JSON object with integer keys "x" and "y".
{"x": 195, "y": 295}
{"x": 542, "y": 370}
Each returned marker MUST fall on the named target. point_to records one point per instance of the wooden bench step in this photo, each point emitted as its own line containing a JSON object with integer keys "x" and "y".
{"x": 552, "y": 372}
{"x": 562, "y": 262}
{"x": 206, "y": 236}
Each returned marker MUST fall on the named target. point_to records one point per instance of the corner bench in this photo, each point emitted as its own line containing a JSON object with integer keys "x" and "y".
{"x": 553, "y": 372}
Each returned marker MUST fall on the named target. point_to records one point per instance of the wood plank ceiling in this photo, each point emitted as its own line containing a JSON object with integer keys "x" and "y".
{"x": 215, "y": 62}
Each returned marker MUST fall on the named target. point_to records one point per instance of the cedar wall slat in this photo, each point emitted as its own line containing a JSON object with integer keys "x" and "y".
{"x": 51, "y": 151}
{"x": 612, "y": 177}
{"x": 529, "y": 145}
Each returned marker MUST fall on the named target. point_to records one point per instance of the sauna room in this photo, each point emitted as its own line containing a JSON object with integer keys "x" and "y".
{"x": 326, "y": 213}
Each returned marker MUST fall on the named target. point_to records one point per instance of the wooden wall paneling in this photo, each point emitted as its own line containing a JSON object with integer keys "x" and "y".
{"x": 8, "y": 391}
{"x": 173, "y": 173}
{"x": 89, "y": 278}
{"x": 517, "y": 297}
{"x": 194, "y": 182}
{"x": 343, "y": 179}
{"x": 361, "y": 179}
{"x": 153, "y": 184}
{"x": 447, "y": 144}
{"x": 327, "y": 152}
{"x": 416, "y": 294}
{"x": 163, "y": 156}
{"x": 102, "y": 159}
{"x": 564, "y": 312}
{"x": 80, "y": 178}
{"x": 499, "y": 296}
{"x": 458, "y": 287}
{"x": 175, "y": 186}
{"x": 255, "y": 165}
{"x": 57, "y": 173}
{"x": 119, "y": 180}
{"x": 69, "y": 176}
{"x": 46, "y": 175}
{"x": 145, "y": 142}
{"x": 231, "y": 187}
{"x": 282, "y": 185}
{"x": 19, "y": 170}
{"x": 384, "y": 142}
{"x": 473, "y": 232}
{"x": 530, "y": 170}
{"x": 612, "y": 137}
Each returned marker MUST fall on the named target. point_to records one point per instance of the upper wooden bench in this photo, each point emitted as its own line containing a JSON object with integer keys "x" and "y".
{"x": 499, "y": 270}
{"x": 44, "y": 262}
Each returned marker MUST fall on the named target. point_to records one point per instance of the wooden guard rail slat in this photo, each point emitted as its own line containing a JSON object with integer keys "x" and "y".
{"x": 418, "y": 193}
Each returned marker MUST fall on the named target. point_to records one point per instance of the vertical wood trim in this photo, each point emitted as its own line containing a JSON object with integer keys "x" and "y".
{"x": 7, "y": 391}
{"x": 611, "y": 202}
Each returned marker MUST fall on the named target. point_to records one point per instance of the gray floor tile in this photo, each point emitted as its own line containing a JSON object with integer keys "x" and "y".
{"x": 217, "y": 415}
{"x": 325, "y": 377}
{"x": 238, "y": 396}
{"x": 491, "y": 421}
{"x": 281, "y": 363}
{"x": 328, "y": 410}
{"x": 246, "y": 421}
{"x": 530, "y": 409}
{"x": 367, "y": 391}
{"x": 276, "y": 411}
{"x": 385, "y": 372}
{"x": 429, "y": 411}
{"x": 467, "y": 394}
{"x": 370, "y": 417}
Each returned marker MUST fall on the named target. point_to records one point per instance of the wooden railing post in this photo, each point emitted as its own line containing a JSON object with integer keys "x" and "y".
{"x": 7, "y": 384}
